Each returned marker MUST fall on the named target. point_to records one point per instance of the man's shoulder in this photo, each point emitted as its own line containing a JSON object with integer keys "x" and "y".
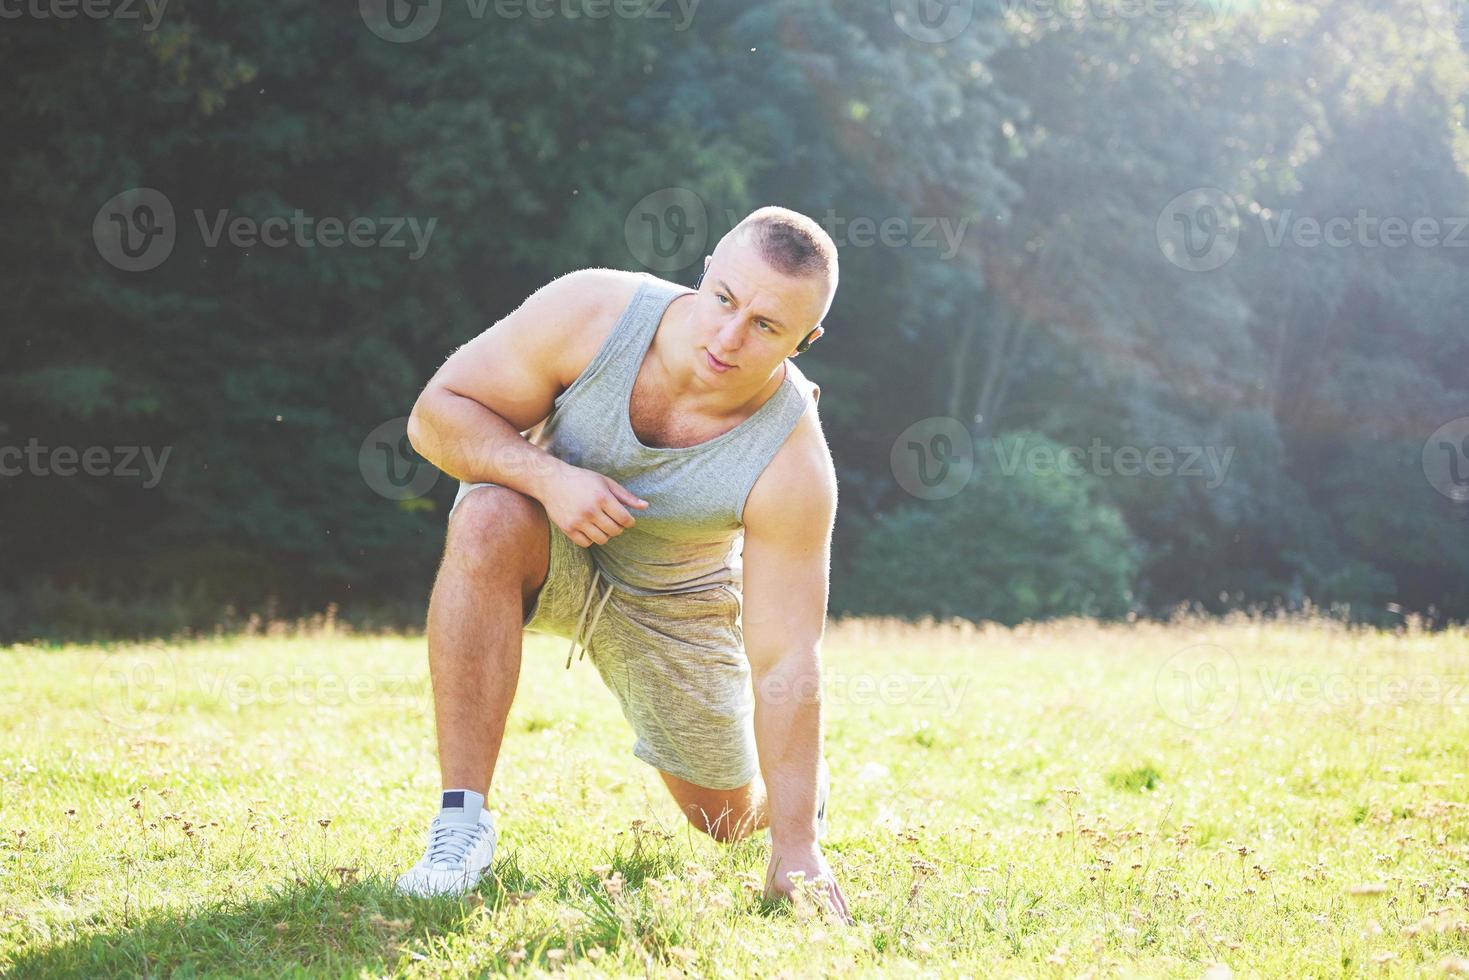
{"x": 799, "y": 484}
{"x": 599, "y": 296}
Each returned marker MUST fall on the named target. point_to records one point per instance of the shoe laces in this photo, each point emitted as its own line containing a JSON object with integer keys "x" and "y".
{"x": 449, "y": 843}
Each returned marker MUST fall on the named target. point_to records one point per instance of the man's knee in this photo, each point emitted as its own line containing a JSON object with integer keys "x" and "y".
{"x": 500, "y": 529}
{"x": 726, "y": 816}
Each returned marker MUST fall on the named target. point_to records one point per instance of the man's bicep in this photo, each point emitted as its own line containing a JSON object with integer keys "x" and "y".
{"x": 518, "y": 366}
{"x": 787, "y": 565}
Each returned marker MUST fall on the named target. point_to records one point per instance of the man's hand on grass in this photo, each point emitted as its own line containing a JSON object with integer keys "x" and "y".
{"x": 811, "y": 866}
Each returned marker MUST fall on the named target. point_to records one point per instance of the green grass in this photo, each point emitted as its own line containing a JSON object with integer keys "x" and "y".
{"x": 1281, "y": 797}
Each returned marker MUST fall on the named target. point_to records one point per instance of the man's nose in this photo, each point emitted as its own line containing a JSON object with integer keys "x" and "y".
{"x": 730, "y": 335}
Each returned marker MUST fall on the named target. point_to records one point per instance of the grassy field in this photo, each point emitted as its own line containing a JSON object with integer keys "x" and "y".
{"x": 1199, "y": 798}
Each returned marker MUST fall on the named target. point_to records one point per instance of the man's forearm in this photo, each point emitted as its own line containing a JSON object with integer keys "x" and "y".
{"x": 788, "y": 738}
{"x": 469, "y": 442}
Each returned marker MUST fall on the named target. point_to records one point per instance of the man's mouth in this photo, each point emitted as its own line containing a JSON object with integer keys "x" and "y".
{"x": 716, "y": 363}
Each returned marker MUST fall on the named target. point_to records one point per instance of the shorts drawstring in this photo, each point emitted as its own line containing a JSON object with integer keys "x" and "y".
{"x": 577, "y": 636}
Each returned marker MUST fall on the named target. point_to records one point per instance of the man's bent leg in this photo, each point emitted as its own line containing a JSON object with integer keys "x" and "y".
{"x": 726, "y": 815}
{"x": 496, "y": 558}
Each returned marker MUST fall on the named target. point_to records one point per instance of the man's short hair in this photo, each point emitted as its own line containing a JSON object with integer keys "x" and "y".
{"x": 792, "y": 243}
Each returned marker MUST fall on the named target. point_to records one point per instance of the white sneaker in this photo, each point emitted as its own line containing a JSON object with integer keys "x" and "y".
{"x": 458, "y": 853}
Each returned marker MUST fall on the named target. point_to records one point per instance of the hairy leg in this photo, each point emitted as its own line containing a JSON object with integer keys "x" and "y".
{"x": 496, "y": 558}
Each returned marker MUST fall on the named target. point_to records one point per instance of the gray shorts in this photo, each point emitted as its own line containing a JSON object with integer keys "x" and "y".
{"x": 676, "y": 663}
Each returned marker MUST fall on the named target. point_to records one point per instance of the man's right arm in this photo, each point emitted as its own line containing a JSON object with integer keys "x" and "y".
{"x": 469, "y": 418}
{"x": 468, "y": 421}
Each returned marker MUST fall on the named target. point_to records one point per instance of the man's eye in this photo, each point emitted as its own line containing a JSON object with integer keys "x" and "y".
{"x": 766, "y": 327}
{"x": 721, "y": 296}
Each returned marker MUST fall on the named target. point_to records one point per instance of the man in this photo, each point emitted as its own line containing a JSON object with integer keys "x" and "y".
{"x": 667, "y": 426}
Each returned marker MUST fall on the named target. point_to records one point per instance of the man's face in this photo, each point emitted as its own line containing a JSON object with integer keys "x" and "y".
{"x": 750, "y": 316}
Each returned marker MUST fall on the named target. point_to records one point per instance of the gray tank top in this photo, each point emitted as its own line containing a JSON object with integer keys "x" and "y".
{"x": 691, "y": 535}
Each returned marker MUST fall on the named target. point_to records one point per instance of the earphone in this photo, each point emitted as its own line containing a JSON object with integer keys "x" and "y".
{"x": 805, "y": 343}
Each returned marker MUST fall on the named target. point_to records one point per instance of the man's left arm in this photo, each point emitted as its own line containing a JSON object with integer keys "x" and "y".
{"x": 788, "y": 525}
